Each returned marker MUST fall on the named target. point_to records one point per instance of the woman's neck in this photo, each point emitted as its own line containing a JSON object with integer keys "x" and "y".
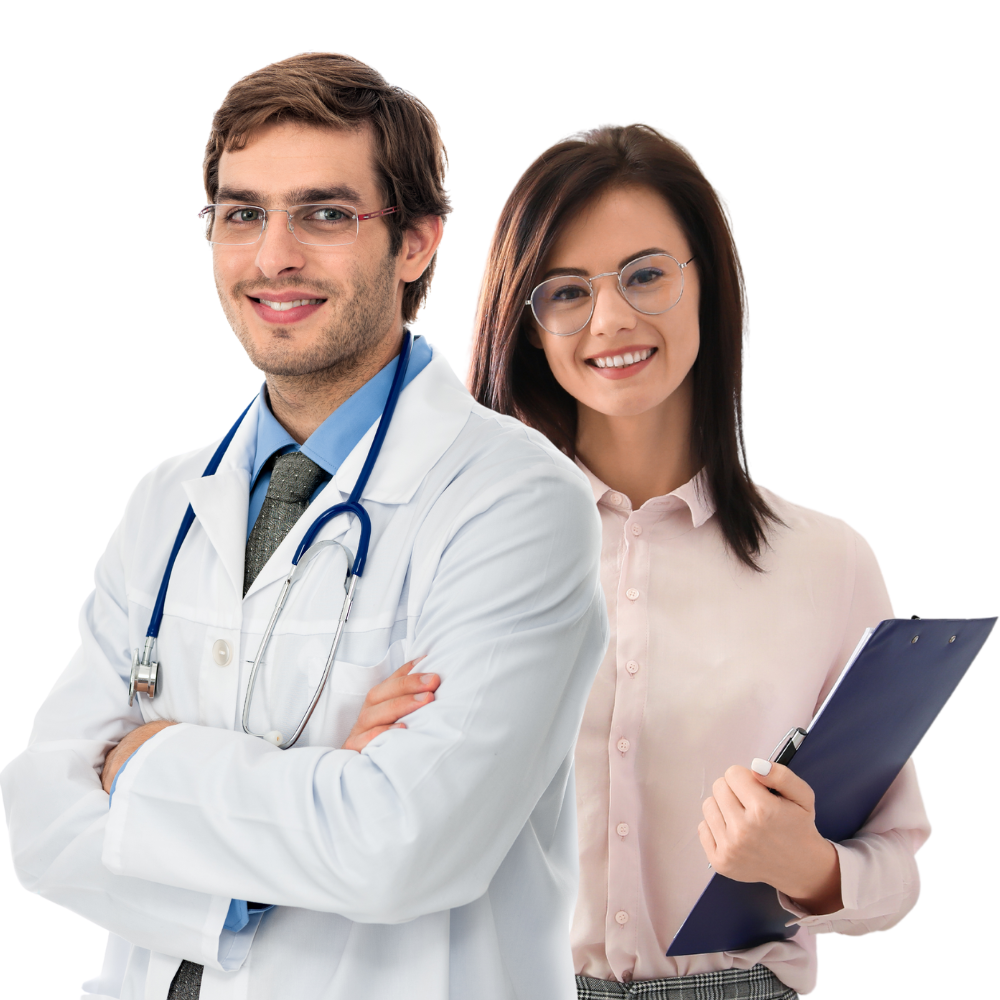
{"x": 643, "y": 456}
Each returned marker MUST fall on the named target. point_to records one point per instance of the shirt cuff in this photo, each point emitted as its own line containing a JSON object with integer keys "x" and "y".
{"x": 118, "y": 774}
{"x": 234, "y": 946}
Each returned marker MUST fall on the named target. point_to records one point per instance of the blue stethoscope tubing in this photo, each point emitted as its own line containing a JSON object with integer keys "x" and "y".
{"x": 144, "y": 677}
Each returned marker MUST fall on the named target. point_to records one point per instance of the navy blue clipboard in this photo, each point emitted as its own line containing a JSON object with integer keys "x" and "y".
{"x": 861, "y": 738}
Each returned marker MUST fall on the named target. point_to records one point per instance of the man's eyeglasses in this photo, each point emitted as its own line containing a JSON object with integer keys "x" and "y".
{"x": 652, "y": 284}
{"x": 313, "y": 225}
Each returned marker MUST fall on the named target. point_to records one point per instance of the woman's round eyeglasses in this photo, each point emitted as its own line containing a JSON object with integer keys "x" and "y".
{"x": 313, "y": 225}
{"x": 651, "y": 284}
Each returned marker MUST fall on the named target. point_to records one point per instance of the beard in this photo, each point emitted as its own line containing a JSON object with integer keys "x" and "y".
{"x": 363, "y": 311}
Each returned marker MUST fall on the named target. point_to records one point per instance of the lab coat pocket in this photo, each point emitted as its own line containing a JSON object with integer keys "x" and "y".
{"x": 347, "y": 689}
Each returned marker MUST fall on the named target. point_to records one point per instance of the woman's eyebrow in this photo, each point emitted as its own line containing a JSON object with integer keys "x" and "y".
{"x": 579, "y": 272}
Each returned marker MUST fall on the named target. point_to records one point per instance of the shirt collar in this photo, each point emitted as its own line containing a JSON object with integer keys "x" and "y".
{"x": 337, "y": 436}
{"x": 695, "y": 493}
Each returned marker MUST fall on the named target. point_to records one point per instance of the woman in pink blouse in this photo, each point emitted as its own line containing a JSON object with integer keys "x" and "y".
{"x": 611, "y": 319}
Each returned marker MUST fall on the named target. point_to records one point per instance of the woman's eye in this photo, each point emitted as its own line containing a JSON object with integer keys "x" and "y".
{"x": 645, "y": 276}
{"x": 569, "y": 293}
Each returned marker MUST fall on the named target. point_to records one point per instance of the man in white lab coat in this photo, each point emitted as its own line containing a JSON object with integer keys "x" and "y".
{"x": 419, "y": 839}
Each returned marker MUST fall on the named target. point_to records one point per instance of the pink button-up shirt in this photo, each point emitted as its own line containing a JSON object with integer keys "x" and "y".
{"x": 709, "y": 665}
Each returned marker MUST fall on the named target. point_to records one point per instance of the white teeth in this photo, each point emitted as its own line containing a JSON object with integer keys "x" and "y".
{"x": 623, "y": 360}
{"x": 285, "y": 306}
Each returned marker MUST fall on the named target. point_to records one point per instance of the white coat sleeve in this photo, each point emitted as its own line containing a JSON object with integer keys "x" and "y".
{"x": 57, "y": 811}
{"x": 879, "y": 881}
{"x": 419, "y": 822}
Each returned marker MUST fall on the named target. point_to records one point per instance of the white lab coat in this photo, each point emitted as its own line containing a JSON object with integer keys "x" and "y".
{"x": 438, "y": 863}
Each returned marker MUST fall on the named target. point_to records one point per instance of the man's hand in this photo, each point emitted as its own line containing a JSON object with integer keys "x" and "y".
{"x": 125, "y": 749}
{"x": 751, "y": 835}
{"x": 398, "y": 695}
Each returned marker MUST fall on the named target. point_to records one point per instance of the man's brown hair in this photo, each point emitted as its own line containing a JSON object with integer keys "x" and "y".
{"x": 334, "y": 91}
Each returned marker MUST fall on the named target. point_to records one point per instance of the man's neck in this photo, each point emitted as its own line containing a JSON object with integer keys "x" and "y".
{"x": 643, "y": 456}
{"x": 300, "y": 403}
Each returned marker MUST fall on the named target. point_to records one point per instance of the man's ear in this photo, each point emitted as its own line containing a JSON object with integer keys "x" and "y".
{"x": 420, "y": 243}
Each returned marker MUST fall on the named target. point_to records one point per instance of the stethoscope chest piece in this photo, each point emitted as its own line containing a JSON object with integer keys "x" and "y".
{"x": 144, "y": 673}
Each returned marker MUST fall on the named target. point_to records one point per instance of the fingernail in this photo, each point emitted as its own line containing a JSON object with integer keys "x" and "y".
{"x": 426, "y": 678}
{"x": 760, "y": 765}
{"x": 399, "y": 725}
{"x": 422, "y": 697}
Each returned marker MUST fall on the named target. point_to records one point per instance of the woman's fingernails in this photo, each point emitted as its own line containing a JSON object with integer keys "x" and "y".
{"x": 426, "y": 678}
{"x": 760, "y": 765}
{"x": 423, "y": 696}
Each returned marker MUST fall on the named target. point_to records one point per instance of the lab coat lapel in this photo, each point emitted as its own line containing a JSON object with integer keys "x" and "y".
{"x": 221, "y": 501}
{"x": 431, "y": 412}
{"x": 220, "y": 505}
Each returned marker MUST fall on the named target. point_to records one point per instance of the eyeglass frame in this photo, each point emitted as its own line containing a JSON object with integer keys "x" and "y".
{"x": 288, "y": 212}
{"x": 529, "y": 301}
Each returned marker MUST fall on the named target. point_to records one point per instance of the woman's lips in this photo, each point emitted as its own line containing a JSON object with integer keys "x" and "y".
{"x": 625, "y": 371}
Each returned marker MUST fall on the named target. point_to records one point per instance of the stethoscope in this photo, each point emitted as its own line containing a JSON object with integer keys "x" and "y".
{"x": 145, "y": 671}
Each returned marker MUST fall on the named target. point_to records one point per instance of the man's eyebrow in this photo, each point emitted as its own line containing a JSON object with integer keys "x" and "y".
{"x": 301, "y": 196}
{"x": 579, "y": 272}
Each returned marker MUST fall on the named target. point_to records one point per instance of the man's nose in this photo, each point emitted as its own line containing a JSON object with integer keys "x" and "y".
{"x": 279, "y": 250}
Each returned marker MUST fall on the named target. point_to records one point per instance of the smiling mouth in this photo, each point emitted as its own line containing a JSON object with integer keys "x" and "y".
{"x": 622, "y": 360}
{"x": 285, "y": 306}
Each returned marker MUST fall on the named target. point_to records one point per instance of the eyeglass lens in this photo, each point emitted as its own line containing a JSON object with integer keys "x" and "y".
{"x": 315, "y": 225}
{"x": 563, "y": 305}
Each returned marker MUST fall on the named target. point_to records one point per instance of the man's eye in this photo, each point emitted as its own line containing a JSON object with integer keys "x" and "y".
{"x": 244, "y": 216}
{"x": 327, "y": 213}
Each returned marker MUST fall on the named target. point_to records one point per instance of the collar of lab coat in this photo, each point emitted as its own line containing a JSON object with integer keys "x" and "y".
{"x": 431, "y": 412}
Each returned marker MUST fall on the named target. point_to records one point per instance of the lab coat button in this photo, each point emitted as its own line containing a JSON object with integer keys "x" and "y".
{"x": 623, "y": 745}
{"x": 632, "y": 667}
{"x": 222, "y": 652}
{"x": 632, "y": 594}
{"x": 622, "y": 829}
{"x": 622, "y": 917}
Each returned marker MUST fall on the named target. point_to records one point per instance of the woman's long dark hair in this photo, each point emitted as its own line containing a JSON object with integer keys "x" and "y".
{"x": 512, "y": 377}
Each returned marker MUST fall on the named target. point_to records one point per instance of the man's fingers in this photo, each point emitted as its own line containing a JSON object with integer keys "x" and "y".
{"x": 361, "y": 740}
{"x": 784, "y": 781}
{"x": 402, "y": 682}
{"x": 387, "y": 712}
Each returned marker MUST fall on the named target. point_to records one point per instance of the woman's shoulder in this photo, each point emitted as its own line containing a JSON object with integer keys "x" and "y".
{"x": 803, "y": 533}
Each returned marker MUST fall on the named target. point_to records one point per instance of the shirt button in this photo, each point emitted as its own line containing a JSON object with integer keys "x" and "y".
{"x": 622, "y": 917}
{"x": 222, "y": 652}
{"x": 623, "y": 745}
{"x": 632, "y": 667}
{"x": 636, "y": 529}
{"x": 632, "y": 594}
{"x": 622, "y": 829}
{"x": 615, "y": 498}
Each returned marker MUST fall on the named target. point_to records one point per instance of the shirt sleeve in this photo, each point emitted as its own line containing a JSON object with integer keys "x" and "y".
{"x": 514, "y": 622}
{"x": 878, "y": 871}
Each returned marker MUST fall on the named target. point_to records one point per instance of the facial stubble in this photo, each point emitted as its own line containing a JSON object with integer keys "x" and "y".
{"x": 362, "y": 313}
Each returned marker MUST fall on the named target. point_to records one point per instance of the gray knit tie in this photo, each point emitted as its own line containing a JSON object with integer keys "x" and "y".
{"x": 294, "y": 479}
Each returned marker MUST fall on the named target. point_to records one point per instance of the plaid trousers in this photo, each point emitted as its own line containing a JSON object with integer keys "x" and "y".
{"x": 758, "y": 983}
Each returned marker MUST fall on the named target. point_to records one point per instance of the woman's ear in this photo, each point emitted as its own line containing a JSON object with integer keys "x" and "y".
{"x": 533, "y": 338}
